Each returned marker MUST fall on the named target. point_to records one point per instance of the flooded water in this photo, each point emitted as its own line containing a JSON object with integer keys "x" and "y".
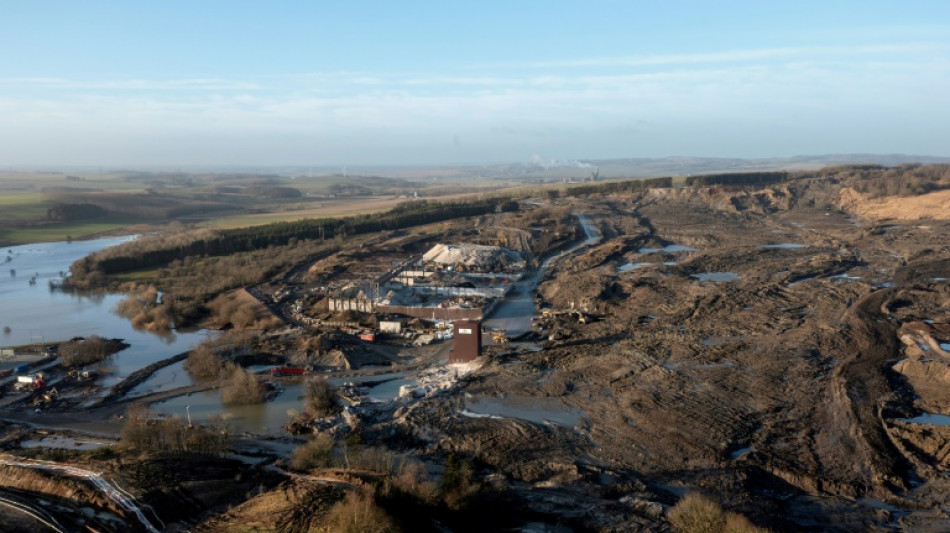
{"x": 65, "y": 443}
{"x": 267, "y": 418}
{"x": 716, "y": 277}
{"x": 163, "y": 379}
{"x": 631, "y": 266}
{"x": 389, "y": 391}
{"x": 671, "y": 248}
{"x": 784, "y": 246}
{"x": 845, "y": 277}
{"x": 537, "y": 410}
{"x": 929, "y": 418}
{"x": 739, "y": 453}
{"x": 514, "y": 313}
{"x": 34, "y": 313}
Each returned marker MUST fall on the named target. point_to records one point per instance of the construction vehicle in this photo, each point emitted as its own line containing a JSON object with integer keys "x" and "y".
{"x": 499, "y": 336}
{"x": 49, "y": 397}
{"x": 80, "y": 375}
{"x": 35, "y": 382}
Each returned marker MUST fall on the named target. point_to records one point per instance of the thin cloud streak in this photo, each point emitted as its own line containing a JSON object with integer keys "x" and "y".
{"x": 194, "y": 84}
{"x": 804, "y": 97}
{"x": 721, "y": 57}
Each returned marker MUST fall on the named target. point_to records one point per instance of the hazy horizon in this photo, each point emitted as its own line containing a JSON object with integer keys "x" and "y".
{"x": 296, "y": 84}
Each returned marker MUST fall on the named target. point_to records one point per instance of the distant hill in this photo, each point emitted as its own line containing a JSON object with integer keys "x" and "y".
{"x": 556, "y": 170}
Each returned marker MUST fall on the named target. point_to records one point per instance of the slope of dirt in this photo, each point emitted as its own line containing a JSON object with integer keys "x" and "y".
{"x": 771, "y": 388}
{"x": 935, "y": 205}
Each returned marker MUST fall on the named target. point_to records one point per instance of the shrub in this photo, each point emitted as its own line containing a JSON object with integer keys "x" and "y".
{"x": 736, "y": 523}
{"x": 370, "y": 458}
{"x": 457, "y": 483}
{"x": 412, "y": 480}
{"x": 696, "y": 513}
{"x": 143, "y": 431}
{"x": 142, "y": 308}
{"x": 358, "y": 513}
{"x": 320, "y": 398}
{"x": 203, "y": 362}
{"x": 316, "y": 453}
{"x": 243, "y": 388}
{"x": 92, "y": 349}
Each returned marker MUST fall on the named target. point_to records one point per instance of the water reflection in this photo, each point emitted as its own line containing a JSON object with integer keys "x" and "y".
{"x": 34, "y": 313}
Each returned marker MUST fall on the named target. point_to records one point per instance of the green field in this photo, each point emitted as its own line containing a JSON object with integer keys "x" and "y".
{"x": 210, "y": 200}
{"x": 62, "y": 232}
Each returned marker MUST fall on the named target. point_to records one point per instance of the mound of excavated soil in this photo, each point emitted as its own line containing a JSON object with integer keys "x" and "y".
{"x": 935, "y": 205}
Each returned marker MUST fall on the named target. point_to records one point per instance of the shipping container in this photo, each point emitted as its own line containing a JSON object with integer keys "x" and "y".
{"x": 287, "y": 371}
{"x": 21, "y": 368}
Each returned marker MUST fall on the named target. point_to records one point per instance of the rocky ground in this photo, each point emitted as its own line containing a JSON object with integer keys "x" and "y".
{"x": 772, "y": 348}
{"x": 783, "y": 389}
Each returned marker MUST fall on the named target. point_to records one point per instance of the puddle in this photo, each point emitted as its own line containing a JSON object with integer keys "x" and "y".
{"x": 389, "y": 390}
{"x": 845, "y": 277}
{"x": 739, "y": 453}
{"x": 784, "y": 246}
{"x": 469, "y": 414}
{"x": 945, "y": 346}
{"x": 928, "y": 418}
{"x": 530, "y": 409}
{"x": 360, "y": 380}
{"x": 66, "y": 443}
{"x": 669, "y": 263}
{"x": 716, "y": 277}
{"x": 875, "y": 503}
{"x": 631, "y": 266}
{"x": 672, "y": 248}
{"x": 382, "y": 388}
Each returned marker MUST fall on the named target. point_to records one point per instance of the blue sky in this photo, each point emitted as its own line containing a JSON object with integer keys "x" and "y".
{"x": 326, "y": 83}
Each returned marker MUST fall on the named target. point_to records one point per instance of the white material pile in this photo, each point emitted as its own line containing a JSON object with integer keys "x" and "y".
{"x": 474, "y": 255}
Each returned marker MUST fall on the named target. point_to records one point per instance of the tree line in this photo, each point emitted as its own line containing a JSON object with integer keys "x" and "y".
{"x": 613, "y": 187}
{"x": 737, "y": 178}
{"x": 156, "y": 252}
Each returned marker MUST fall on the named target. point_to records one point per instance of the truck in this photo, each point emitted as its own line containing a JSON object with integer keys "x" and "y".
{"x": 36, "y": 382}
{"x": 283, "y": 371}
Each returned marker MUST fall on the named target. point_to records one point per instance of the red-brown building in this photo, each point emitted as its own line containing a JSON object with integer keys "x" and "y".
{"x": 467, "y": 341}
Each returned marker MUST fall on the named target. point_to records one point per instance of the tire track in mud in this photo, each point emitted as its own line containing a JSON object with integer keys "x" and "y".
{"x": 122, "y": 498}
{"x": 862, "y": 390}
{"x": 33, "y": 511}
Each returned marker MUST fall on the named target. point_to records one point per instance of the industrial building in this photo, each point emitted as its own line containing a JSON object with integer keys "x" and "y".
{"x": 468, "y": 341}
